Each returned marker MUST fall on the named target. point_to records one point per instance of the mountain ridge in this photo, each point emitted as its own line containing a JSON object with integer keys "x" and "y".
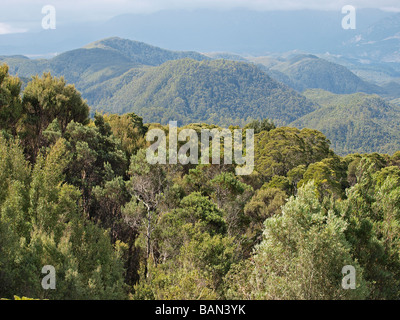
{"x": 119, "y": 75}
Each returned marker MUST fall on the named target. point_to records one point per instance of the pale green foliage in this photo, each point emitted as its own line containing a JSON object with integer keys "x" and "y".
{"x": 301, "y": 256}
{"x": 41, "y": 224}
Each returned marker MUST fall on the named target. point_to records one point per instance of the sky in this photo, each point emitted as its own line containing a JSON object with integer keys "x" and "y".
{"x": 25, "y": 15}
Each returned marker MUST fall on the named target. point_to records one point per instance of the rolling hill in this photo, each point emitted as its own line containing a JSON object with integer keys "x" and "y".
{"x": 305, "y": 71}
{"x": 354, "y": 123}
{"x": 98, "y": 61}
{"x": 219, "y": 91}
{"x": 119, "y": 75}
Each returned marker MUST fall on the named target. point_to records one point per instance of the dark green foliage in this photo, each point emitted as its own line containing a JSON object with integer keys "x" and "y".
{"x": 258, "y": 126}
{"x": 10, "y": 101}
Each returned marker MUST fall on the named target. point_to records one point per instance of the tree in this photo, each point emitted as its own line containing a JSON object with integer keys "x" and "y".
{"x": 146, "y": 185}
{"x": 282, "y": 149}
{"x": 197, "y": 268}
{"x": 10, "y": 101}
{"x": 266, "y": 203}
{"x": 294, "y": 176}
{"x": 96, "y": 158}
{"x": 301, "y": 256}
{"x": 372, "y": 214}
{"x": 260, "y": 125}
{"x": 130, "y": 130}
{"x": 45, "y": 99}
{"x": 41, "y": 223}
{"x": 329, "y": 176}
{"x": 231, "y": 195}
{"x": 14, "y": 203}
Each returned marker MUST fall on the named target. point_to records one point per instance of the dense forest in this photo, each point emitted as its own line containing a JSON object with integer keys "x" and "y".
{"x": 357, "y": 122}
{"x": 306, "y": 71}
{"x": 77, "y": 193}
{"x": 118, "y": 76}
{"x": 220, "y": 92}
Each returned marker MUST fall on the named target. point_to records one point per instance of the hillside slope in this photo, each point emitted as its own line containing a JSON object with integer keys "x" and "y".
{"x": 305, "y": 71}
{"x": 354, "y": 123}
{"x": 219, "y": 91}
{"x": 97, "y": 62}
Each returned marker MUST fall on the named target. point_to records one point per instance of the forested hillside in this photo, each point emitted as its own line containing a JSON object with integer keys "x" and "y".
{"x": 97, "y": 62}
{"x": 219, "y": 92}
{"x": 117, "y": 75}
{"x": 120, "y": 76}
{"x": 354, "y": 123}
{"x": 78, "y": 194}
{"x": 304, "y": 71}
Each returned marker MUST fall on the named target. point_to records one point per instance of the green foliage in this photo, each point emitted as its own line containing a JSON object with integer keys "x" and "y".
{"x": 282, "y": 149}
{"x": 354, "y": 122}
{"x": 219, "y": 92}
{"x": 81, "y": 196}
{"x": 329, "y": 176}
{"x": 372, "y": 210}
{"x": 44, "y": 100}
{"x": 266, "y": 203}
{"x": 10, "y": 101}
{"x": 129, "y": 129}
{"x": 258, "y": 126}
{"x": 41, "y": 223}
{"x": 301, "y": 256}
{"x": 197, "y": 271}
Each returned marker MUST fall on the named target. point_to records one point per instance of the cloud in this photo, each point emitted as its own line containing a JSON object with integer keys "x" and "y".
{"x": 24, "y": 10}
{"x": 122, "y": 6}
{"x": 154, "y": 5}
{"x": 7, "y": 29}
{"x": 391, "y": 9}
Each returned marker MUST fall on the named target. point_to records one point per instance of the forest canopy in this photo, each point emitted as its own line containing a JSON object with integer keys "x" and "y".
{"x": 78, "y": 194}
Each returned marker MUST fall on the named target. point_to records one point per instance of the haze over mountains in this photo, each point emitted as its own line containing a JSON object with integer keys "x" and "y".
{"x": 309, "y": 71}
{"x": 240, "y": 31}
{"x": 379, "y": 42}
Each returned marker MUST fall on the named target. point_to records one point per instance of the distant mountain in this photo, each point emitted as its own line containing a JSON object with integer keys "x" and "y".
{"x": 142, "y": 53}
{"x": 220, "y": 91}
{"x": 379, "y": 42}
{"x": 378, "y": 73}
{"x": 97, "y": 61}
{"x": 307, "y": 71}
{"x": 354, "y": 123}
{"x": 119, "y": 75}
{"x": 226, "y": 56}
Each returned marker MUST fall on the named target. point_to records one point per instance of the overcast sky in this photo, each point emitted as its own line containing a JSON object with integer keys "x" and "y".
{"x": 23, "y": 15}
